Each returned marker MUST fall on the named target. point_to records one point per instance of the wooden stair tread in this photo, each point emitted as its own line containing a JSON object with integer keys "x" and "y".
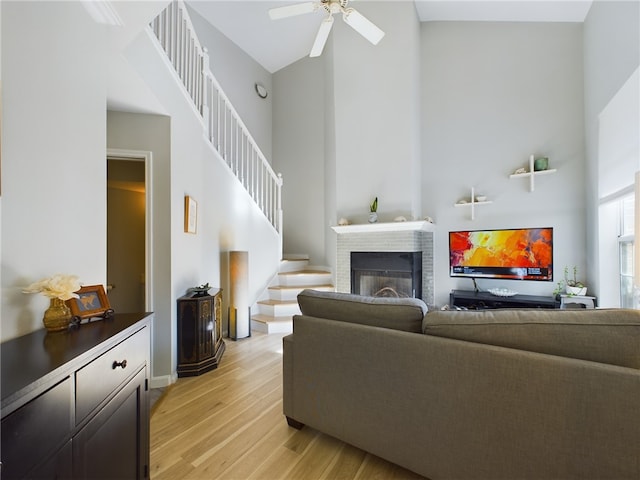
{"x": 306, "y": 272}
{"x": 271, "y": 301}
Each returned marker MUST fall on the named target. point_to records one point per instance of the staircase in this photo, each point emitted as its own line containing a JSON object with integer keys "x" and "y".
{"x": 275, "y": 314}
{"x": 223, "y": 127}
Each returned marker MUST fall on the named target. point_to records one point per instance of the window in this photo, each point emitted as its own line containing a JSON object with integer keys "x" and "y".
{"x": 625, "y": 248}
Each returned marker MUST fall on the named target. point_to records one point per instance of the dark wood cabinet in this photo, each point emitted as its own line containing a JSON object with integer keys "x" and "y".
{"x": 200, "y": 344}
{"x": 484, "y": 300}
{"x": 75, "y": 404}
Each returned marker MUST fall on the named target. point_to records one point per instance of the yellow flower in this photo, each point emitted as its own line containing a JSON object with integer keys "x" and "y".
{"x": 58, "y": 286}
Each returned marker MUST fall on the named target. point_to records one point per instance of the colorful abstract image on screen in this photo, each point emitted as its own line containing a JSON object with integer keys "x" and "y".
{"x": 517, "y": 254}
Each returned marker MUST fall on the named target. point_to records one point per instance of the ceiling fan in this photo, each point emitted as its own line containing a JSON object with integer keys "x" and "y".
{"x": 351, "y": 17}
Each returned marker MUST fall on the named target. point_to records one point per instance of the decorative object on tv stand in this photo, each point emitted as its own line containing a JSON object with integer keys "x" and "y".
{"x": 373, "y": 211}
{"x": 58, "y": 288}
{"x": 239, "y": 308}
{"x": 474, "y": 200}
{"x": 537, "y": 166}
{"x": 571, "y": 286}
{"x": 502, "y": 292}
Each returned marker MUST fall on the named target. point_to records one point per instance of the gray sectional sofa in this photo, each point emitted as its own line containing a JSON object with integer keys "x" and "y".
{"x": 493, "y": 394}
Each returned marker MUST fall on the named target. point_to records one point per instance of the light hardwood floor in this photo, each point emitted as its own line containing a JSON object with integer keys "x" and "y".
{"x": 228, "y": 424}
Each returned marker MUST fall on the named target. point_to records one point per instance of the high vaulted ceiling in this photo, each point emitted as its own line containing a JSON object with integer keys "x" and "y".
{"x": 276, "y": 44}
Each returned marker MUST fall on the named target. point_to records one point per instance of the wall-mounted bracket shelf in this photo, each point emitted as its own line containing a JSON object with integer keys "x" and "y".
{"x": 472, "y": 203}
{"x": 532, "y": 174}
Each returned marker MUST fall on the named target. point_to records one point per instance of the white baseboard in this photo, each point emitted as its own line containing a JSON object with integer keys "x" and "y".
{"x": 163, "y": 381}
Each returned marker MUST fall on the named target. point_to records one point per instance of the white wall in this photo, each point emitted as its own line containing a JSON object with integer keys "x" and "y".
{"x": 492, "y": 94}
{"x": 1, "y": 150}
{"x": 53, "y": 153}
{"x": 346, "y": 129}
{"x": 54, "y": 173}
{"x": 131, "y": 131}
{"x": 237, "y": 73}
{"x": 611, "y": 55}
{"x": 227, "y": 217}
{"x": 376, "y": 115}
{"x": 299, "y": 153}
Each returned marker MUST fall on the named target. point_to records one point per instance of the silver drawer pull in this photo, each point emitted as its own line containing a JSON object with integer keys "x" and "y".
{"x": 122, "y": 364}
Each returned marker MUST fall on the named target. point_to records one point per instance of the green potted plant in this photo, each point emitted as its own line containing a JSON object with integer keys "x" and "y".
{"x": 373, "y": 209}
{"x": 571, "y": 285}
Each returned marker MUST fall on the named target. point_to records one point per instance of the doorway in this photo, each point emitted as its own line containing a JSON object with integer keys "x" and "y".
{"x": 128, "y": 233}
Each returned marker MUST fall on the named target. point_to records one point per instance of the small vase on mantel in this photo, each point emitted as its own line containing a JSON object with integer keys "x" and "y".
{"x": 373, "y": 217}
{"x": 57, "y": 317}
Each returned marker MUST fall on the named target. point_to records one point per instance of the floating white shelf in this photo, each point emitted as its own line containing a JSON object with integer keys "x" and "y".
{"x": 472, "y": 203}
{"x": 532, "y": 174}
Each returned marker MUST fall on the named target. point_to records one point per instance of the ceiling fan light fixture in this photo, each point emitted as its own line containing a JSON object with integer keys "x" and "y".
{"x": 362, "y": 25}
{"x": 321, "y": 37}
{"x": 350, "y": 16}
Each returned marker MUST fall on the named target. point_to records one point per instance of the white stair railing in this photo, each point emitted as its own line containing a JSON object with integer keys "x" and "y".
{"x": 224, "y": 128}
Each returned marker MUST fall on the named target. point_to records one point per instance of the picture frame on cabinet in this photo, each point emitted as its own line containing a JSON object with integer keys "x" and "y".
{"x": 190, "y": 214}
{"x": 92, "y": 302}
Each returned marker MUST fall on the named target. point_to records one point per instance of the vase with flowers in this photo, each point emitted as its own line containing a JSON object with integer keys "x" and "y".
{"x": 58, "y": 288}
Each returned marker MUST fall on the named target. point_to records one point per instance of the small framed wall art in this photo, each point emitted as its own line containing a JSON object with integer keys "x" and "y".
{"x": 190, "y": 214}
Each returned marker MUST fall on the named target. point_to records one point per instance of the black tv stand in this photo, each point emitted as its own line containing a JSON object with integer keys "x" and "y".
{"x": 485, "y": 300}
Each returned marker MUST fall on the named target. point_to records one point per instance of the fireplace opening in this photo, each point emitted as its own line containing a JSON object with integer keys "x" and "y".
{"x": 386, "y": 274}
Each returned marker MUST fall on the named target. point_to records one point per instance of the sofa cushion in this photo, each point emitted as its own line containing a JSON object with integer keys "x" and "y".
{"x": 396, "y": 313}
{"x": 609, "y": 336}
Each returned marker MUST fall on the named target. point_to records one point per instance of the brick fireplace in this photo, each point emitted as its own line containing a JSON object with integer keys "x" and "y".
{"x": 401, "y": 237}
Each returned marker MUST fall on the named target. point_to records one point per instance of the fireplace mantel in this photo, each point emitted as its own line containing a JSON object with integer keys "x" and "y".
{"x": 421, "y": 225}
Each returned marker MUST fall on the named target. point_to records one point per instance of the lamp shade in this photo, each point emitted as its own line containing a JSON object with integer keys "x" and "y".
{"x": 239, "y": 309}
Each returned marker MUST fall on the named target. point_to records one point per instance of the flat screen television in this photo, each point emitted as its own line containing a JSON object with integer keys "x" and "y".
{"x": 516, "y": 254}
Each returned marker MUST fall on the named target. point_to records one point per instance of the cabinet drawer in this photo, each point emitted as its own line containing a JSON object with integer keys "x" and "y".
{"x": 98, "y": 379}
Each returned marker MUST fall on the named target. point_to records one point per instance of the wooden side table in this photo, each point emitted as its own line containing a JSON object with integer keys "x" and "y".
{"x": 200, "y": 344}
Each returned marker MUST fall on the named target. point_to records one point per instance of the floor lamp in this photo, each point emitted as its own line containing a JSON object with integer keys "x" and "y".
{"x": 239, "y": 308}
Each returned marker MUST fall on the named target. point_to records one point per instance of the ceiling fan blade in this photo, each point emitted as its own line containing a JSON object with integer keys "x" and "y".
{"x": 363, "y": 26}
{"x": 321, "y": 37}
{"x": 292, "y": 10}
